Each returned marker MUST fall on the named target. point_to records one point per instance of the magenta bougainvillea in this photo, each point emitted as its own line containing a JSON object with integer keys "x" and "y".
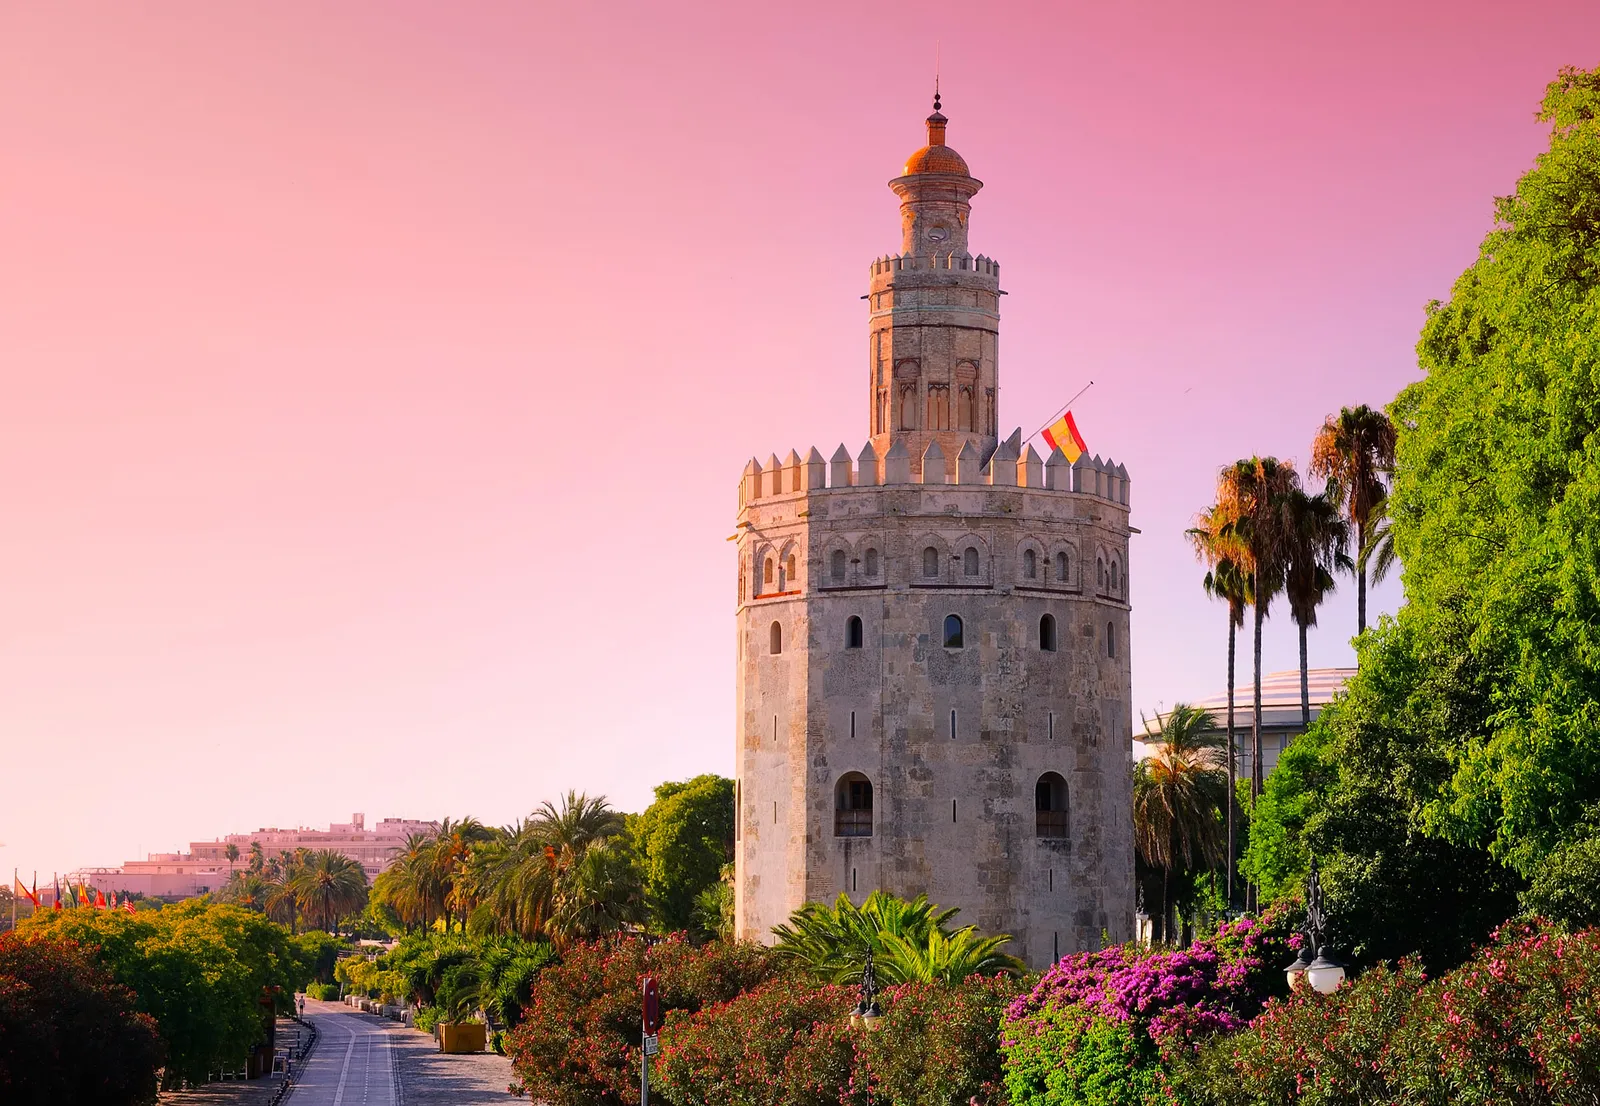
{"x": 1099, "y": 1027}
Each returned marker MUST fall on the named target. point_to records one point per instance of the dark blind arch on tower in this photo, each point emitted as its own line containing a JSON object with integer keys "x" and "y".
{"x": 954, "y": 632}
{"x": 1050, "y": 806}
{"x": 930, "y": 562}
{"x": 852, "y": 632}
{"x": 1047, "y": 633}
{"x": 852, "y": 806}
{"x": 969, "y": 561}
{"x": 838, "y": 565}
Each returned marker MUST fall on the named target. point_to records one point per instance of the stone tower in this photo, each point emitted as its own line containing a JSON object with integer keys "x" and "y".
{"x": 934, "y": 688}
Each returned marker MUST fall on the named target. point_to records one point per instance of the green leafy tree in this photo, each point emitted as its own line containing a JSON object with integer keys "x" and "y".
{"x": 684, "y": 839}
{"x": 1497, "y": 494}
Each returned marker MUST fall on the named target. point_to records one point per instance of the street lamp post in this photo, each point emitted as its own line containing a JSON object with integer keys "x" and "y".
{"x": 866, "y": 1012}
{"x": 1317, "y": 965}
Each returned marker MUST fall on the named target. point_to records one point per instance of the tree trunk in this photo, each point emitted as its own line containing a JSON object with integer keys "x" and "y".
{"x": 1361, "y": 579}
{"x": 1233, "y": 768}
{"x": 1166, "y": 908}
{"x": 1305, "y": 682}
{"x": 1256, "y": 774}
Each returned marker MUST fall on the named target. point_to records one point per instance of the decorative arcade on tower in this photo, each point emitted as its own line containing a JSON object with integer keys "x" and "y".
{"x": 934, "y": 689}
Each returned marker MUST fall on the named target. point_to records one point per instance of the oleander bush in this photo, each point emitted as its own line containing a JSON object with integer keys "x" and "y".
{"x": 1519, "y": 1023}
{"x": 578, "y": 1042}
{"x": 1102, "y": 1028}
{"x": 70, "y": 1035}
{"x": 790, "y": 1043}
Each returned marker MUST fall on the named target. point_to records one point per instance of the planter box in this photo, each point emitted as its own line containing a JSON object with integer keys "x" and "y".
{"x": 462, "y": 1038}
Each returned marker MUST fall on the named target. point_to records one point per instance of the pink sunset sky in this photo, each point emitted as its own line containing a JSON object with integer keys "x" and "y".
{"x": 377, "y": 377}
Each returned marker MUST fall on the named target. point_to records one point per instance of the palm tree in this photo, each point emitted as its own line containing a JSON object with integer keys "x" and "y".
{"x": 407, "y": 884}
{"x": 1353, "y": 451}
{"x": 258, "y": 859}
{"x": 944, "y": 958}
{"x": 1378, "y": 552}
{"x": 1178, "y": 797}
{"x": 452, "y": 850}
{"x": 1317, "y": 539}
{"x": 830, "y": 942}
{"x": 1229, "y": 581}
{"x": 328, "y": 886}
{"x": 1255, "y": 503}
{"x": 232, "y": 853}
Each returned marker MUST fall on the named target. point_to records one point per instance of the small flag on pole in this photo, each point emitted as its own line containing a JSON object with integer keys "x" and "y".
{"x": 1063, "y": 435}
{"x": 99, "y": 899}
{"x": 127, "y": 904}
{"x": 23, "y": 893}
{"x": 83, "y": 896}
{"x": 58, "y": 893}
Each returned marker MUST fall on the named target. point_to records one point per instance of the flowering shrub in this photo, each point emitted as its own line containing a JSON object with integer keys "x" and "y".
{"x": 69, "y": 1033}
{"x": 578, "y": 1042}
{"x": 786, "y": 1043}
{"x": 790, "y": 1043}
{"x": 939, "y": 1045}
{"x": 1098, "y": 1026}
{"x": 1520, "y": 1023}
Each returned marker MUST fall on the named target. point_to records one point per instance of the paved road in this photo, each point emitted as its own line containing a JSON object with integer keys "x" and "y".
{"x": 354, "y": 1062}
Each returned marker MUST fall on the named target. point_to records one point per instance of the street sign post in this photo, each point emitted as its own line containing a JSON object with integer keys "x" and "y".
{"x": 651, "y": 995}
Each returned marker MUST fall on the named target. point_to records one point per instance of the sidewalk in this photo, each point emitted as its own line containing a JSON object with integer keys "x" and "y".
{"x": 428, "y": 1077}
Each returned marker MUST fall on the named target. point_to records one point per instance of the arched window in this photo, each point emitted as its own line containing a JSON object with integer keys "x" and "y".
{"x": 837, "y": 568}
{"x": 952, "y": 632}
{"x": 852, "y": 632}
{"x": 852, "y": 806}
{"x": 775, "y": 643}
{"x": 767, "y": 571}
{"x": 964, "y": 408}
{"x": 872, "y": 564}
{"x": 1050, "y": 806}
{"x": 1063, "y": 567}
{"x": 1111, "y": 639}
{"x": 792, "y": 573}
{"x": 938, "y": 407}
{"x": 1030, "y": 564}
{"x": 908, "y": 407}
{"x": 1116, "y": 577}
{"x": 1047, "y": 633}
{"x": 969, "y": 561}
{"x": 930, "y": 562}
{"x": 1100, "y": 571}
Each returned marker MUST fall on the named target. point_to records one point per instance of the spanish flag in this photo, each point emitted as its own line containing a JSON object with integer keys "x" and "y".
{"x": 83, "y": 896}
{"x": 1063, "y": 435}
{"x": 23, "y": 892}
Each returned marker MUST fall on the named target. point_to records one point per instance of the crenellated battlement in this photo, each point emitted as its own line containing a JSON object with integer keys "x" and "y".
{"x": 1087, "y": 475}
{"x": 905, "y": 262}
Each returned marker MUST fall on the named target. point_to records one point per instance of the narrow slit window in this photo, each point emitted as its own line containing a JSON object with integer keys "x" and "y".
{"x": 775, "y": 639}
{"x": 852, "y": 724}
{"x": 1047, "y": 633}
{"x": 952, "y": 810}
{"x": 1051, "y": 725}
{"x": 1111, "y": 639}
{"x": 952, "y": 724}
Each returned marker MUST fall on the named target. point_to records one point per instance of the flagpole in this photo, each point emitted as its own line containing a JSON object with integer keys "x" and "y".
{"x": 1051, "y": 420}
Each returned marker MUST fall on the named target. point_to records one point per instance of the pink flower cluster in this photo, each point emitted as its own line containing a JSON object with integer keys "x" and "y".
{"x": 1215, "y": 985}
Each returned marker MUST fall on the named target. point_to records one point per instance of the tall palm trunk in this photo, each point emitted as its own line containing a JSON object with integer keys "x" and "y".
{"x": 1305, "y": 682}
{"x": 1361, "y": 577}
{"x": 1233, "y": 770}
{"x": 1256, "y": 774}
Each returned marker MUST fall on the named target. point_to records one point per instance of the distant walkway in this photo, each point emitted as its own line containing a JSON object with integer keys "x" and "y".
{"x": 362, "y": 1060}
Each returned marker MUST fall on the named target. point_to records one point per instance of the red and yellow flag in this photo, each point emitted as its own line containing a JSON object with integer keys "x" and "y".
{"x": 1063, "y": 435}
{"x": 83, "y": 896}
{"x": 23, "y": 892}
